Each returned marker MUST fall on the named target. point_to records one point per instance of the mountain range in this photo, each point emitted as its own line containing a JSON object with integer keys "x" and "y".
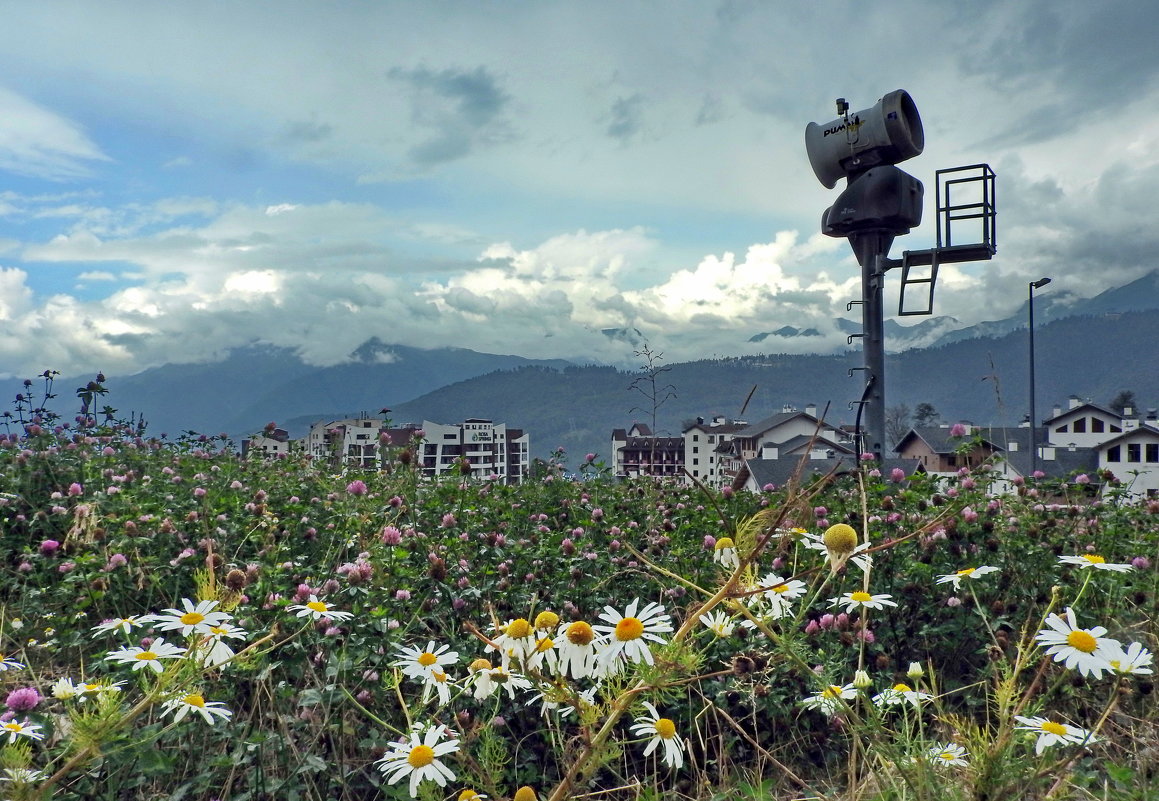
{"x": 1092, "y": 348}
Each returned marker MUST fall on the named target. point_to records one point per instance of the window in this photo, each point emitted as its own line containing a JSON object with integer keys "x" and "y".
{"x": 696, "y": 449}
{"x": 696, "y": 461}
{"x": 1116, "y": 429}
{"x": 1113, "y": 454}
{"x": 1097, "y": 425}
{"x": 1152, "y": 452}
{"x": 1080, "y": 425}
{"x": 1062, "y": 429}
{"x": 1134, "y": 452}
{"x": 696, "y": 438}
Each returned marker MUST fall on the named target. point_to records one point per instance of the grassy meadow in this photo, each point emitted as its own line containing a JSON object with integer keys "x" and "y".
{"x": 177, "y": 623}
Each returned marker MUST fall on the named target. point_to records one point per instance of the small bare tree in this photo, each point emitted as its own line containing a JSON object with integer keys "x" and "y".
{"x": 647, "y": 383}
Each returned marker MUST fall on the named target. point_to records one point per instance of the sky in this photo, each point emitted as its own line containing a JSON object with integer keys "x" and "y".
{"x": 178, "y": 179}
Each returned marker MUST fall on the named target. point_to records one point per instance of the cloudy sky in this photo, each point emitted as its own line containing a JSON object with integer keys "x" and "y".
{"x": 517, "y": 177}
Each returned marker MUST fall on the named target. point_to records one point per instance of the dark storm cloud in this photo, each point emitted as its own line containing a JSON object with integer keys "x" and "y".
{"x": 461, "y": 108}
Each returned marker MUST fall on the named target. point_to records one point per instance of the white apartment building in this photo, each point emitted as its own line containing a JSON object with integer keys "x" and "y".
{"x": 491, "y": 449}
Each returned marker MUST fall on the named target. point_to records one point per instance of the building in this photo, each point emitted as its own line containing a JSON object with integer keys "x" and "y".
{"x": 705, "y": 443}
{"x": 273, "y": 444}
{"x": 352, "y": 442}
{"x": 492, "y": 450}
{"x": 791, "y": 433}
{"x": 1082, "y": 440}
{"x": 638, "y": 452}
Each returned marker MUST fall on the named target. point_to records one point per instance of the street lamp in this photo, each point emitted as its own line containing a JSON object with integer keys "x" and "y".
{"x": 1033, "y": 285}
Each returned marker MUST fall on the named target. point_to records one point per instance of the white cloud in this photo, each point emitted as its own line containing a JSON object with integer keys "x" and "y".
{"x": 37, "y": 142}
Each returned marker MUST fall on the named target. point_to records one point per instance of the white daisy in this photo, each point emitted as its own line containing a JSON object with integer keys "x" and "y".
{"x": 575, "y": 644}
{"x": 317, "y": 610}
{"x": 719, "y": 622}
{"x": 950, "y": 754}
{"x": 1085, "y": 649}
{"x": 210, "y": 711}
{"x": 198, "y": 618}
{"x": 487, "y": 680}
{"x": 123, "y": 624}
{"x": 1088, "y": 560}
{"x": 417, "y": 664}
{"x": 438, "y": 682}
{"x": 900, "y": 694}
{"x": 831, "y": 699}
{"x": 1135, "y": 659}
{"x": 662, "y": 731}
{"x": 149, "y": 657}
{"x": 724, "y": 553}
{"x": 515, "y": 640}
{"x": 780, "y": 593}
{"x": 22, "y": 775}
{"x": 7, "y": 663}
{"x": 967, "y": 573}
{"x": 854, "y": 600}
{"x": 624, "y": 639}
{"x": 1052, "y": 733}
{"x": 212, "y": 648}
{"x": 418, "y": 757}
{"x": 544, "y": 654}
{"x": 16, "y": 728}
{"x": 857, "y": 556}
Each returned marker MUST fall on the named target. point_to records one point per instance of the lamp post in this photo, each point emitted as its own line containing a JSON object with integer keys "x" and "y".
{"x": 1033, "y": 285}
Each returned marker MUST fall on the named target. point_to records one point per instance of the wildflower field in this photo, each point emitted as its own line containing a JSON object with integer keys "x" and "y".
{"x": 178, "y": 623}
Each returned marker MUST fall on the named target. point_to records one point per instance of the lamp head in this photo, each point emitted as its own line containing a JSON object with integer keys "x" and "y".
{"x": 887, "y": 133}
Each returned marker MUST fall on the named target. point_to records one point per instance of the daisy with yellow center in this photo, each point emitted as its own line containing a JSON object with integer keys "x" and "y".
{"x": 780, "y": 594}
{"x": 515, "y": 640}
{"x": 123, "y": 624}
{"x": 1085, "y": 649}
{"x": 212, "y": 648}
{"x": 210, "y": 711}
{"x": 488, "y": 680}
{"x": 719, "y": 622}
{"x": 575, "y": 644}
{"x": 832, "y": 699}
{"x": 839, "y": 544}
{"x": 546, "y": 620}
{"x": 318, "y": 610}
{"x": 7, "y": 663}
{"x": 900, "y": 694}
{"x": 860, "y": 599}
{"x": 1090, "y": 560}
{"x": 470, "y": 795}
{"x": 544, "y": 655}
{"x": 140, "y": 657}
{"x": 1053, "y": 733}
{"x": 439, "y": 682}
{"x": 725, "y": 555}
{"x": 418, "y": 757}
{"x": 661, "y": 732}
{"x": 418, "y": 663}
{"x": 967, "y": 573}
{"x": 193, "y": 618}
{"x": 1133, "y": 659}
{"x": 948, "y": 755}
{"x": 625, "y": 638}
{"x": 15, "y": 729}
